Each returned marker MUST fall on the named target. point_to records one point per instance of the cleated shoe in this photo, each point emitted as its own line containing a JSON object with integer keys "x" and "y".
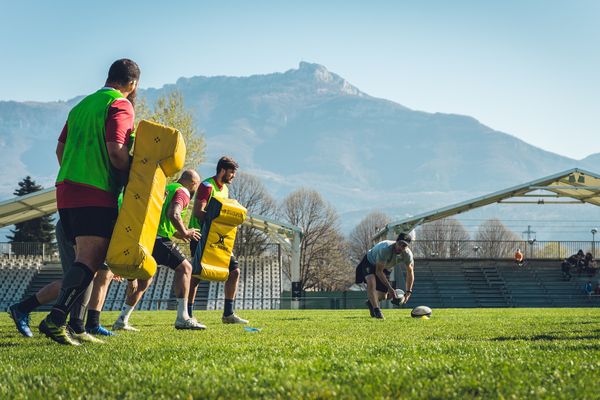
{"x": 368, "y": 303}
{"x": 119, "y": 325}
{"x": 233, "y": 319}
{"x": 21, "y": 321}
{"x": 378, "y": 314}
{"x": 190, "y": 324}
{"x": 100, "y": 331}
{"x": 57, "y": 333}
{"x": 85, "y": 337}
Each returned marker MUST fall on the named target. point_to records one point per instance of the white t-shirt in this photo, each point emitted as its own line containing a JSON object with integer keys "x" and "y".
{"x": 383, "y": 252}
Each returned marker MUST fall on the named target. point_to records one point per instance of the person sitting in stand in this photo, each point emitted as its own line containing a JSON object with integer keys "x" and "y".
{"x": 574, "y": 261}
{"x": 519, "y": 258}
{"x": 589, "y": 264}
{"x": 587, "y": 288}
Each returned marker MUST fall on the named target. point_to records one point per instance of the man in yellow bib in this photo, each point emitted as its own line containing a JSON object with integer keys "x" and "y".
{"x": 216, "y": 186}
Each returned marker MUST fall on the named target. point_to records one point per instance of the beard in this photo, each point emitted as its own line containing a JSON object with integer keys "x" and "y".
{"x": 131, "y": 97}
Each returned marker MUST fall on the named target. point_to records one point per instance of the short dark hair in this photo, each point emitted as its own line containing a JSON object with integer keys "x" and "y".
{"x": 404, "y": 237}
{"x": 226, "y": 163}
{"x": 123, "y": 71}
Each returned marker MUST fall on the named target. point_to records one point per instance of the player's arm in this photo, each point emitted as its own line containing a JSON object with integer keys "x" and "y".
{"x": 174, "y": 214}
{"x": 60, "y": 149}
{"x": 118, "y": 153}
{"x": 379, "y": 267}
{"x": 60, "y": 146}
{"x": 119, "y": 124}
{"x": 199, "y": 209}
{"x": 410, "y": 279}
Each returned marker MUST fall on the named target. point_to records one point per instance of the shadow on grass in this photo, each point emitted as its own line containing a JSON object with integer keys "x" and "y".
{"x": 553, "y": 336}
{"x": 296, "y": 319}
{"x": 9, "y": 344}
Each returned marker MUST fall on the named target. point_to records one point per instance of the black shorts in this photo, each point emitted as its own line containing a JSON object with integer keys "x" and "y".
{"x": 233, "y": 264}
{"x": 167, "y": 253}
{"x": 88, "y": 221}
{"x": 366, "y": 268}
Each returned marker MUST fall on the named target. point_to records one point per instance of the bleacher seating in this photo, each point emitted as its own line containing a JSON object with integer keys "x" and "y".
{"x": 496, "y": 283}
{"x": 16, "y": 274}
{"x": 259, "y": 286}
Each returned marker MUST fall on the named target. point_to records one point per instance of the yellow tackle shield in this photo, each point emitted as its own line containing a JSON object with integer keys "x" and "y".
{"x": 159, "y": 152}
{"x": 211, "y": 261}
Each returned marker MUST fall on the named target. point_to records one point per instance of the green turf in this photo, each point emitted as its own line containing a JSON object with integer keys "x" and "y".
{"x": 459, "y": 353}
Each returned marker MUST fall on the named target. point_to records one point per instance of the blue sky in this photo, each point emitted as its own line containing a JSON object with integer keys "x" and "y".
{"x": 528, "y": 68}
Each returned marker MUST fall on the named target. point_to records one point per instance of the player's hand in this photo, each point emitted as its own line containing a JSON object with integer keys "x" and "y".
{"x": 392, "y": 294}
{"x": 191, "y": 234}
{"x": 406, "y": 297}
{"x": 117, "y": 278}
{"x": 132, "y": 286}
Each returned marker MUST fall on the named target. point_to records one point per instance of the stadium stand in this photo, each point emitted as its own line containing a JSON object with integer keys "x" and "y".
{"x": 495, "y": 283}
{"x": 16, "y": 274}
{"x": 260, "y": 285}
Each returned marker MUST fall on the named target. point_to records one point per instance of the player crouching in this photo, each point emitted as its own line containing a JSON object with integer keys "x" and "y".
{"x": 376, "y": 267}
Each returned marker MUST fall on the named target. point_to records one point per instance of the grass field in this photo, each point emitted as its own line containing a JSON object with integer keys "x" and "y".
{"x": 458, "y": 353}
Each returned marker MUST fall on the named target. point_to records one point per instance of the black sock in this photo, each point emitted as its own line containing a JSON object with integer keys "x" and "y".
{"x": 93, "y": 319}
{"x": 228, "y": 310}
{"x": 28, "y": 305}
{"x": 190, "y": 309}
{"x": 77, "y": 325}
{"x": 74, "y": 284}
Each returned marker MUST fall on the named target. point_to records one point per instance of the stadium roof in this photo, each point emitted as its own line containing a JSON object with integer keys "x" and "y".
{"x": 573, "y": 186}
{"x": 38, "y": 204}
{"x": 30, "y": 206}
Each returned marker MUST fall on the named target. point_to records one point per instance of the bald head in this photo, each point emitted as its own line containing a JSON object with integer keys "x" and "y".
{"x": 190, "y": 179}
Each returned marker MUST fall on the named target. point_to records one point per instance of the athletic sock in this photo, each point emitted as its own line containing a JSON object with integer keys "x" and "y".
{"x": 93, "y": 320}
{"x": 190, "y": 308}
{"x": 74, "y": 284}
{"x": 77, "y": 325}
{"x": 228, "y": 310}
{"x": 126, "y": 313}
{"x": 182, "y": 313}
{"x": 28, "y": 305}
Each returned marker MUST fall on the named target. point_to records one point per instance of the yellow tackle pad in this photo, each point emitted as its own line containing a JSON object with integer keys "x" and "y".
{"x": 211, "y": 261}
{"x": 159, "y": 152}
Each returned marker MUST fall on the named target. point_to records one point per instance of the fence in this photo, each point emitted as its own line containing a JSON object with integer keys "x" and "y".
{"x": 554, "y": 250}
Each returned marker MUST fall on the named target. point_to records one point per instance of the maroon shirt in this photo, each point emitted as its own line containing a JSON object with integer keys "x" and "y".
{"x": 119, "y": 126}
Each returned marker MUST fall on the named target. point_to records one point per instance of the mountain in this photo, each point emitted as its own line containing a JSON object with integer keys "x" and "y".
{"x": 310, "y": 127}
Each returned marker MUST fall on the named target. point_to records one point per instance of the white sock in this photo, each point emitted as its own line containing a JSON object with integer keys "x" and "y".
{"x": 126, "y": 313}
{"x": 182, "y": 312}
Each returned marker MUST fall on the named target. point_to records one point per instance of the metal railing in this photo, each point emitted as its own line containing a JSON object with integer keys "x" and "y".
{"x": 448, "y": 249}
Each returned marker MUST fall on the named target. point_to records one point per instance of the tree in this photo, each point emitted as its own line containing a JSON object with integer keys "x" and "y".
{"x": 322, "y": 260}
{"x": 170, "y": 110}
{"x": 361, "y": 237}
{"x": 40, "y": 230}
{"x": 495, "y": 240}
{"x": 446, "y": 238}
{"x": 250, "y": 192}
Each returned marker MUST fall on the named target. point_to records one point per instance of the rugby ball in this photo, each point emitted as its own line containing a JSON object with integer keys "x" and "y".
{"x": 400, "y": 299}
{"x": 420, "y": 311}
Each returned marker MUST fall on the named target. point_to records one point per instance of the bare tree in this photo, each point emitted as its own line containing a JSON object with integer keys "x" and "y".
{"x": 445, "y": 238}
{"x": 250, "y": 192}
{"x": 495, "y": 240}
{"x": 361, "y": 237}
{"x": 322, "y": 243}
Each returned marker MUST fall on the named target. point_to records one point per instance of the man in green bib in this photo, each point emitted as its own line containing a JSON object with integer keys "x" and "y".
{"x": 93, "y": 155}
{"x": 216, "y": 186}
{"x": 167, "y": 253}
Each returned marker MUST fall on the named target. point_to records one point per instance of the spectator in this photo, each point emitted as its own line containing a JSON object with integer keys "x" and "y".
{"x": 519, "y": 258}
{"x": 597, "y": 290}
{"x": 587, "y": 288}
{"x": 589, "y": 264}
{"x": 574, "y": 261}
